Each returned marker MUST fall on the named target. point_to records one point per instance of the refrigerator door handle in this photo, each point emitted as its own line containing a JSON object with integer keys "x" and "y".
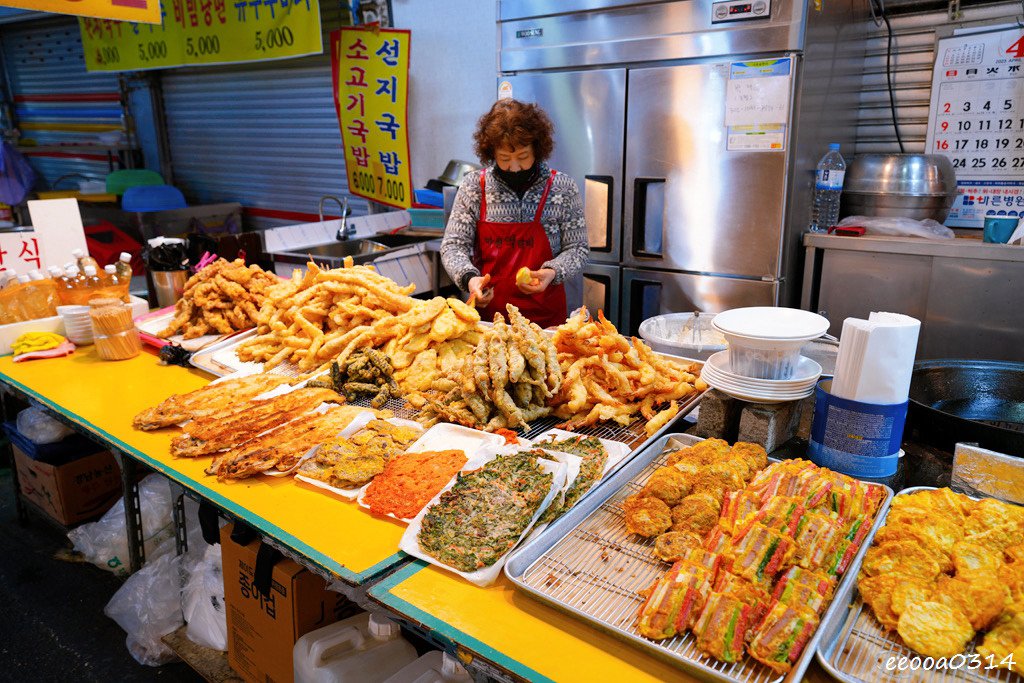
{"x": 648, "y": 217}
{"x": 598, "y": 191}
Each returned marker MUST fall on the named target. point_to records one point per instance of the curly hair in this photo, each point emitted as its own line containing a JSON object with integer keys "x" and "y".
{"x": 513, "y": 124}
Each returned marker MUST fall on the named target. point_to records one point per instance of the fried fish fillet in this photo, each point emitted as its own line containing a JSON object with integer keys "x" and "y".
{"x": 178, "y": 408}
{"x": 208, "y": 438}
{"x": 282, "y": 448}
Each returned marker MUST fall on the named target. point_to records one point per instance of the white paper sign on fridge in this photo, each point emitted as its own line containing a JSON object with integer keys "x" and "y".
{"x": 56, "y": 232}
{"x": 758, "y": 92}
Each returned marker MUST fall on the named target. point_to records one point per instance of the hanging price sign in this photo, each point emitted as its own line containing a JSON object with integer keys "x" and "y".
{"x": 977, "y": 120}
{"x": 205, "y": 32}
{"x": 371, "y": 68}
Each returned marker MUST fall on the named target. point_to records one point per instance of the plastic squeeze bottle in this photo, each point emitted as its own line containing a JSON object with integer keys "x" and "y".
{"x": 83, "y": 259}
{"x": 124, "y": 267}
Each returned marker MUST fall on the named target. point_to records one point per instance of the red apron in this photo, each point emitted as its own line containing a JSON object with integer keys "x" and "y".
{"x": 504, "y": 248}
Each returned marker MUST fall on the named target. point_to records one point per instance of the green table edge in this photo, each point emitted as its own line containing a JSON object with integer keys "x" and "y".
{"x": 357, "y": 578}
{"x": 382, "y": 593}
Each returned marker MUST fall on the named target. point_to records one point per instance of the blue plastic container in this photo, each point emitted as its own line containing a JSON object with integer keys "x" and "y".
{"x": 148, "y": 198}
{"x": 429, "y": 197}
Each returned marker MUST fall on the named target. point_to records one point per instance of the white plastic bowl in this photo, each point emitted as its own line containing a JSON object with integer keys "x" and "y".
{"x": 765, "y": 341}
{"x": 665, "y": 334}
{"x": 770, "y": 322}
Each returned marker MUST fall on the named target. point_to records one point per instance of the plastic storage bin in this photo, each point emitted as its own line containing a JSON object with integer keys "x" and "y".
{"x": 427, "y": 218}
{"x": 366, "y": 648}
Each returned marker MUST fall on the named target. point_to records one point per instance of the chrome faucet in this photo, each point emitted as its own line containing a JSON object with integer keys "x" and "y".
{"x": 344, "y": 231}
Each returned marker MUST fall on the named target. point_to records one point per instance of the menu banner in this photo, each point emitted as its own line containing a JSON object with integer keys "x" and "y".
{"x": 197, "y": 32}
{"x": 371, "y": 65}
{"x": 145, "y": 11}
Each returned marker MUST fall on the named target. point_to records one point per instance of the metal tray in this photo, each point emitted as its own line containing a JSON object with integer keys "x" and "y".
{"x": 854, "y": 647}
{"x": 587, "y": 565}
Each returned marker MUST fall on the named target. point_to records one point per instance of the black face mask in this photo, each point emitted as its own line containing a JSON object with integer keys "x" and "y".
{"x": 518, "y": 181}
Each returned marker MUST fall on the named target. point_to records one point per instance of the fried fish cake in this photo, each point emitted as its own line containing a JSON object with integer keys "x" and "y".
{"x": 989, "y": 513}
{"x": 969, "y": 556}
{"x": 999, "y": 537}
{"x": 877, "y": 592}
{"x": 672, "y": 546}
{"x": 646, "y": 516}
{"x": 668, "y": 484}
{"x": 909, "y": 591}
{"x": 1005, "y": 637}
{"x": 978, "y": 594}
{"x": 935, "y": 630}
{"x": 696, "y": 512}
{"x": 900, "y": 557}
{"x": 753, "y": 454}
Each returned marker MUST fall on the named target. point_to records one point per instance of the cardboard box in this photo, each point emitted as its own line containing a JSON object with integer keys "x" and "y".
{"x": 262, "y": 631}
{"x": 74, "y": 492}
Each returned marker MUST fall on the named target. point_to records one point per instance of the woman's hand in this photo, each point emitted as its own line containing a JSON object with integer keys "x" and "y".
{"x": 478, "y": 289}
{"x": 540, "y": 281}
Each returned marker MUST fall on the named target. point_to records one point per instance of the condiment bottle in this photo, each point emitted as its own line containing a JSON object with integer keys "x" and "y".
{"x": 83, "y": 259}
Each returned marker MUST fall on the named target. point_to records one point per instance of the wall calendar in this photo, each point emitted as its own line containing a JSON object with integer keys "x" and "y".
{"x": 977, "y": 120}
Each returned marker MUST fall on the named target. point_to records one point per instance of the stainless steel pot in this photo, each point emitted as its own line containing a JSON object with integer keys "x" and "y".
{"x": 454, "y": 171}
{"x": 911, "y": 185}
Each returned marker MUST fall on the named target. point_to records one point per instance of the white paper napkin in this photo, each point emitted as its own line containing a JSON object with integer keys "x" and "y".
{"x": 876, "y": 358}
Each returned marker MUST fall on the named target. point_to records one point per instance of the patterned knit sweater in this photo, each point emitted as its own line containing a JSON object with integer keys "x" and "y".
{"x": 562, "y": 219}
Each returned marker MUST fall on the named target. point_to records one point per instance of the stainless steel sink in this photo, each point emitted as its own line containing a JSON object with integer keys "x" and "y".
{"x": 333, "y": 254}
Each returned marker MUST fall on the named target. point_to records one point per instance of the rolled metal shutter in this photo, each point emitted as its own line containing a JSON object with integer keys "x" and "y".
{"x": 57, "y": 103}
{"x": 913, "y": 57}
{"x": 264, "y": 135}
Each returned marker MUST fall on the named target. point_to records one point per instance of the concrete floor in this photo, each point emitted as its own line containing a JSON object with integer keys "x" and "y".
{"x": 52, "y": 626}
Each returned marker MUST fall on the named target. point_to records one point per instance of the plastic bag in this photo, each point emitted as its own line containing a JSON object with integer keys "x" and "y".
{"x": 39, "y": 428}
{"x": 16, "y": 176}
{"x": 148, "y": 607}
{"x": 105, "y": 541}
{"x": 900, "y": 227}
{"x": 202, "y": 602}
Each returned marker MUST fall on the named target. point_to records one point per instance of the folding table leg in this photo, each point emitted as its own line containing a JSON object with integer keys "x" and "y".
{"x": 180, "y": 525}
{"x": 132, "y": 513}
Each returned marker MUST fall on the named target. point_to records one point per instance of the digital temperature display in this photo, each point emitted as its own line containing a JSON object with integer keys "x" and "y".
{"x": 739, "y": 9}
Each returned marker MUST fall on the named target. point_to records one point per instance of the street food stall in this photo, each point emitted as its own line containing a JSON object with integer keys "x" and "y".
{"x": 561, "y": 415}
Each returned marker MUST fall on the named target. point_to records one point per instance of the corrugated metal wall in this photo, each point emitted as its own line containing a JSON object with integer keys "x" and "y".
{"x": 264, "y": 135}
{"x": 913, "y": 56}
{"x": 56, "y": 102}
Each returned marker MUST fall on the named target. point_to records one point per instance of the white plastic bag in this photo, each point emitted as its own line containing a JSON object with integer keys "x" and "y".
{"x": 148, "y": 607}
{"x": 39, "y": 428}
{"x": 105, "y": 541}
{"x": 202, "y": 601}
{"x": 900, "y": 227}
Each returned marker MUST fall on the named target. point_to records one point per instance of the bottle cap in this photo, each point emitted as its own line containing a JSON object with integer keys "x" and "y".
{"x": 833, "y": 146}
{"x": 23, "y": 278}
{"x": 71, "y": 271}
{"x": 125, "y": 256}
{"x": 55, "y": 271}
{"x": 111, "y": 269}
{"x": 35, "y": 275}
{"x": 78, "y": 253}
{"x": 68, "y": 264}
{"x": 90, "y": 271}
{"x": 382, "y": 628}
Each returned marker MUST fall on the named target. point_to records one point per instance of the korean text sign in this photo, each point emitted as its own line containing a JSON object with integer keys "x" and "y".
{"x": 147, "y": 11}
{"x": 205, "y": 32}
{"x": 977, "y": 120}
{"x": 373, "y": 96}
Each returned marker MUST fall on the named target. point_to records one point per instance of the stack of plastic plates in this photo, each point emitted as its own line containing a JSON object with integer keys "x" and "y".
{"x": 719, "y": 375}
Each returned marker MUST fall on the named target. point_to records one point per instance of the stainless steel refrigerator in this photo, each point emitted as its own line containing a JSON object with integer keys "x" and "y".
{"x": 692, "y": 201}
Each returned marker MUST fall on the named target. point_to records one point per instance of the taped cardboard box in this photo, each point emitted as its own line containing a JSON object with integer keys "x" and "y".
{"x": 262, "y": 629}
{"x": 73, "y": 492}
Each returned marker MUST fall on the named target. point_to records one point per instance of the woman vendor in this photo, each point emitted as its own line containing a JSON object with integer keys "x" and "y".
{"x": 516, "y": 214}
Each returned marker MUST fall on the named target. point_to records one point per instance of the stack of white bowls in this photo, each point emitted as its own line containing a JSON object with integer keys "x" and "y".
{"x": 763, "y": 362}
{"x": 77, "y": 323}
